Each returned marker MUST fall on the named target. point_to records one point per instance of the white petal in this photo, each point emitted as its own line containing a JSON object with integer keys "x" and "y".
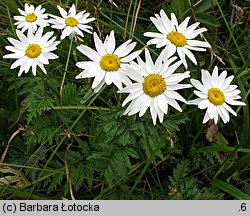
{"x": 14, "y": 55}
{"x": 149, "y": 62}
{"x": 28, "y": 64}
{"x": 154, "y": 35}
{"x": 175, "y": 78}
{"x": 188, "y": 31}
{"x": 51, "y": 56}
{"x": 116, "y": 80}
{"x": 216, "y": 117}
{"x": 159, "y": 25}
{"x": 62, "y": 11}
{"x": 80, "y": 14}
{"x": 206, "y": 118}
{"x": 206, "y": 77}
{"x": 98, "y": 79}
{"x": 99, "y": 45}
{"x": 19, "y": 62}
{"x": 226, "y": 83}
{"x": 183, "y": 25}
{"x": 231, "y": 93}
{"x": 136, "y": 106}
{"x": 22, "y": 37}
{"x": 123, "y": 47}
{"x": 18, "y": 44}
{"x": 162, "y": 103}
{"x": 129, "y": 108}
{"x": 195, "y": 48}
{"x": 99, "y": 86}
{"x": 174, "y": 20}
{"x": 135, "y": 75}
{"x": 155, "y": 41}
{"x": 146, "y": 103}
{"x": 162, "y": 43}
{"x": 190, "y": 55}
{"x": 132, "y": 96}
{"x": 109, "y": 77}
{"x": 42, "y": 68}
{"x": 131, "y": 88}
{"x": 170, "y": 70}
{"x": 170, "y": 50}
{"x": 203, "y": 104}
{"x": 173, "y": 103}
{"x": 72, "y": 10}
{"x": 87, "y": 64}
{"x": 196, "y": 43}
{"x": 22, "y": 12}
{"x": 160, "y": 113}
{"x": 90, "y": 53}
{"x": 236, "y": 103}
{"x": 78, "y": 31}
{"x": 124, "y": 51}
{"x": 111, "y": 43}
{"x": 230, "y": 88}
{"x": 87, "y": 74}
{"x": 211, "y": 110}
{"x": 223, "y": 114}
{"x": 197, "y": 84}
{"x": 178, "y": 86}
{"x": 222, "y": 78}
{"x": 131, "y": 56}
{"x": 174, "y": 95}
{"x": 214, "y": 77}
{"x": 166, "y": 21}
{"x": 153, "y": 112}
{"x": 195, "y": 33}
{"x": 34, "y": 67}
{"x": 124, "y": 78}
{"x": 195, "y": 101}
{"x": 41, "y": 58}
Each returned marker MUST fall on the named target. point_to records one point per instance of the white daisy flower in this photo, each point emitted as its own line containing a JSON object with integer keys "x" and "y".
{"x": 216, "y": 94}
{"x": 71, "y": 22}
{"x": 177, "y": 37}
{"x": 154, "y": 87}
{"x": 32, "y": 51}
{"x": 108, "y": 64}
{"x": 31, "y": 18}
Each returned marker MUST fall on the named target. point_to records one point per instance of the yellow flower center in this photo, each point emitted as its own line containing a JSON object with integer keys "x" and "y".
{"x": 110, "y": 62}
{"x": 178, "y": 39}
{"x": 216, "y": 96}
{"x": 71, "y": 21}
{"x": 31, "y": 17}
{"x": 154, "y": 85}
{"x": 33, "y": 50}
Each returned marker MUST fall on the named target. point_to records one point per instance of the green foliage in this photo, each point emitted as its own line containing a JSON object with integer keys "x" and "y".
{"x": 185, "y": 186}
{"x": 36, "y": 104}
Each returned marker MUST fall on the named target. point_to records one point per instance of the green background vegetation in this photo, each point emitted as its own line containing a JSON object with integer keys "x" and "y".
{"x": 58, "y": 139}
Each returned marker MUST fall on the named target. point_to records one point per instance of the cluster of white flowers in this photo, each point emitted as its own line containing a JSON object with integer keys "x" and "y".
{"x": 150, "y": 84}
{"x": 34, "y": 49}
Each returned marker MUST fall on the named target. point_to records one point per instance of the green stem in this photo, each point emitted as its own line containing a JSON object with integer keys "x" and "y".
{"x": 231, "y": 33}
{"x": 126, "y": 23}
{"x": 65, "y": 70}
{"x": 132, "y": 21}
